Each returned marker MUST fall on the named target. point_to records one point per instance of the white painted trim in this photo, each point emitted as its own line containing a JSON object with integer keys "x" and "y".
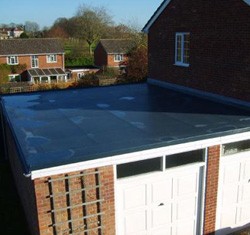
{"x": 155, "y": 16}
{"x": 140, "y": 155}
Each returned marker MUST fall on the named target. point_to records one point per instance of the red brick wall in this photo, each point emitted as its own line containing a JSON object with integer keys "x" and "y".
{"x": 219, "y": 49}
{"x": 100, "y": 56}
{"x": 42, "y": 61}
{"x": 44, "y": 203}
{"x": 212, "y": 178}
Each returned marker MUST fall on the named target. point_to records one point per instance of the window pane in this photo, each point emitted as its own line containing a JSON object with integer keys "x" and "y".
{"x": 185, "y": 158}
{"x": 236, "y": 147}
{"x": 139, "y": 167}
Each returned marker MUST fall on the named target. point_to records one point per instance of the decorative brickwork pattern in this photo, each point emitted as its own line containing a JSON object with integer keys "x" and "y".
{"x": 211, "y": 189}
{"x": 76, "y": 203}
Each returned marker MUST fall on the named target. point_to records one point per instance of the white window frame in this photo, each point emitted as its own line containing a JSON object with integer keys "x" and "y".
{"x": 180, "y": 60}
{"x": 34, "y": 61}
{"x": 12, "y": 60}
{"x": 52, "y": 58}
{"x": 118, "y": 57}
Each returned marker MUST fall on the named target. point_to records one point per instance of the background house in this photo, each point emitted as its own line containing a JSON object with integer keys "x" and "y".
{"x": 112, "y": 52}
{"x": 35, "y": 60}
{"x": 203, "y": 45}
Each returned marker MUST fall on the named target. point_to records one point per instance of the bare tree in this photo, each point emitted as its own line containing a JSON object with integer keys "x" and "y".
{"x": 91, "y": 23}
{"x": 31, "y": 27}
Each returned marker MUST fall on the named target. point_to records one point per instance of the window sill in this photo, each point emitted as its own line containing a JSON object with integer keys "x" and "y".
{"x": 182, "y": 65}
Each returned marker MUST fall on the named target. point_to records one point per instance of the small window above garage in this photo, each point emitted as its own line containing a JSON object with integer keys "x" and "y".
{"x": 185, "y": 158}
{"x": 236, "y": 147}
{"x": 139, "y": 167}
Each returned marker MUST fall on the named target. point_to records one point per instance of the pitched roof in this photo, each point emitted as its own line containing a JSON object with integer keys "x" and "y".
{"x": 112, "y": 46}
{"x": 30, "y": 46}
{"x": 160, "y": 9}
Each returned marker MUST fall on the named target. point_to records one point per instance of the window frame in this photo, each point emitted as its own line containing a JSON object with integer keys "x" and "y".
{"x": 181, "y": 61}
{"x": 120, "y": 59}
{"x": 35, "y": 61}
{"x": 50, "y": 60}
{"x": 9, "y": 58}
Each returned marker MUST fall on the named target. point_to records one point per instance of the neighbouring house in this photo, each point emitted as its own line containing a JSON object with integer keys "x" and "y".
{"x": 77, "y": 72}
{"x": 112, "y": 52}
{"x": 34, "y": 60}
{"x": 7, "y": 33}
{"x": 203, "y": 45}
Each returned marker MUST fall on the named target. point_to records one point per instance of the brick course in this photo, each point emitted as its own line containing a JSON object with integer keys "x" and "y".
{"x": 219, "y": 49}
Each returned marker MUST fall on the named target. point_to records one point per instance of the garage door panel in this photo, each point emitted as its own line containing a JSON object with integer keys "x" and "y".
{"x": 228, "y": 217}
{"x": 161, "y": 215}
{"x": 230, "y": 195}
{"x": 186, "y": 208}
{"x": 231, "y": 173}
{"x": 246, "y": 175}
{"x": 165, "y": 187}
{"x": 135, "y": 196}
{"x": 186, "y": 227}
{"x": 187, "y": 184}
{"x": 135, "y": 222}
{"x": 162, "y": 231}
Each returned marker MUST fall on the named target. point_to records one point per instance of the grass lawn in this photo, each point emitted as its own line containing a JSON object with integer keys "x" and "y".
{"x": 12, "y": 220}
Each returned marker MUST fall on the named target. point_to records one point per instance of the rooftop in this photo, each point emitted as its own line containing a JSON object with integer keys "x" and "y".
{"x": 30, "y": 46}
{"x": 61, "y": 127}
{"x": 112, "y": 46}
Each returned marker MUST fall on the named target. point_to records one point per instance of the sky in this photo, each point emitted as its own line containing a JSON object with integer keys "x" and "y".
{"x": 45, "y": 12}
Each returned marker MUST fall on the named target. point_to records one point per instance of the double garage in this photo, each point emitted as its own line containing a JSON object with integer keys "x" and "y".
{"x": 128, "y": 160}
{"x": 170, "y": 197}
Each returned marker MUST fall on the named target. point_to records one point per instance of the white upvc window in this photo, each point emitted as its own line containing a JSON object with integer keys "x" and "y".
{"x": 34, "y": 61}
{"x": 118, "y": 57}
{"x": 14, "y": 77}
{"x": 12, "y": 60}
{"x": 182, "y": 49}
{"x": 51, "y": 58}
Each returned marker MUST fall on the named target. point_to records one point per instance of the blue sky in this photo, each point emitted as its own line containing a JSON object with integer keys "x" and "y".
{"x": 45, "y": 12}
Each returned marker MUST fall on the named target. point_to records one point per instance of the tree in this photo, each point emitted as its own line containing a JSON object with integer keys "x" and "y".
{"x": 31, "y": 27}
{"x": 137, "y": 66}
{"x": 91, "y": 23}
{"x": 24, "y": 35}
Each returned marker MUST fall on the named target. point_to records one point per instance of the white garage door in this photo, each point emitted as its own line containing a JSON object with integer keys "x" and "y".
{"x": 160, "y": 204}
{"x": 233, "y": 210}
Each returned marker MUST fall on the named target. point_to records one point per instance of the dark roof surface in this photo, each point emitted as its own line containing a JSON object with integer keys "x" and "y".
{"x": 112, "y": 46}
{"x": 30, "y": 46}
{"x": 46, "y": 72}
{"x": 61, "y": 127}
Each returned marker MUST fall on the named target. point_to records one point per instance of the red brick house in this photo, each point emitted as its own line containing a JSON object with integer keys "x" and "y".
{"x": 42, "y": 59}
{"x": 112, "y": 52}
{"x": 203, "y": 45}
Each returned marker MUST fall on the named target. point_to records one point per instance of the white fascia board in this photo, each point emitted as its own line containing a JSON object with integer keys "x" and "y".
{"x": 140, "y": 155}
{"x": 155, "y": 16}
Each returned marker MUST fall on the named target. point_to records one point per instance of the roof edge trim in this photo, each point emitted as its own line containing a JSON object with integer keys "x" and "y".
{"x": 140, "y": 155}
{"x": 156, "y": 14}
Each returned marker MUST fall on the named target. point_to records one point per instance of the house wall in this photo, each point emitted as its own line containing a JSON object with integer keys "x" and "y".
{"x": 219, "y": 46}
{"x": 113, "y": 63}
{"x": 42, "y": 61}
{"x": 100, "y": 56}
{"x": 25, "y": 186}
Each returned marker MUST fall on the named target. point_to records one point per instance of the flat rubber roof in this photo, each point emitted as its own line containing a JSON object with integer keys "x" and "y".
{"x": 55, "y": 128}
